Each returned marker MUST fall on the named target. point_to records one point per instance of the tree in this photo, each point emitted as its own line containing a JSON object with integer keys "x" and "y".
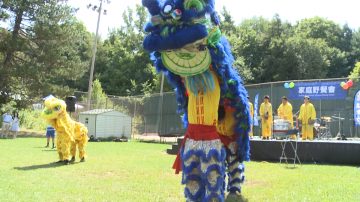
{"x": 355, "y": 73}
{"x": 98, "y": 96}
{"x": 307, "y": 58}
{"x": 123, "y": 67}
{"x": 337, "y": 39}
{"x": 227, "y": 25}
{"x": 249, "y": 44}
{"x": 272, "y": 50}
{"x": 46, "y": 46}
{"x": 354, "y": 53}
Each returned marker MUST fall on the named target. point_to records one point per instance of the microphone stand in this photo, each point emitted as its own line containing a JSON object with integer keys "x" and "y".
{"x": 339, "y": 132}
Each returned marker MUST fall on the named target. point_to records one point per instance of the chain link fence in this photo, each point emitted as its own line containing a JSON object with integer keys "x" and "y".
{"x": 151, "y": 114}
{"x": 156, "y": 114}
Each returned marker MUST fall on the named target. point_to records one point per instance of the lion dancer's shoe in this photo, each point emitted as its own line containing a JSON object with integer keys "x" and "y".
{"x": 202, "y": 161}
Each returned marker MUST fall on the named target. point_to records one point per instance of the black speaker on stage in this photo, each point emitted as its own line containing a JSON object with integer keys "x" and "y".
{"x": 70, "y": 103}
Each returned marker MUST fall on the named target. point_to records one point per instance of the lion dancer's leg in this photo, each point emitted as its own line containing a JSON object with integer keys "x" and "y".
{"x": 194, "y": 188}
{"x": 235, "y": 169}
{"x": 81, "y": 147}
{"x": 203, "y": 165}
{"x": 73, "y": 150}
{"x": 214, "y": 171}
{"x": 82, "y": 141}
{"x": 58, "y": 147}
{"x": 65, "y": 148}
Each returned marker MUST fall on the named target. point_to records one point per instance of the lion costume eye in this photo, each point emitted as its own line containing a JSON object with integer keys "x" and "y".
{"x": 167, "y": 9}
{"x": 57, "y": 108}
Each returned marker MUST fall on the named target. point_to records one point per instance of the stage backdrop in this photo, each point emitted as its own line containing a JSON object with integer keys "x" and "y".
{"x": 328, "y": 97}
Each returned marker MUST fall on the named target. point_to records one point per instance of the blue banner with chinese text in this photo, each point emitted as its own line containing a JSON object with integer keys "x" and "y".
{"x": 318, "y": 91}
{"x": 256, "y": 103}
{"x": 357, "y": 109}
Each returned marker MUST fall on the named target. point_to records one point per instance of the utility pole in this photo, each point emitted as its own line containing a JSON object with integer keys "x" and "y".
{"x": 99, "y": 10}
{"x": 160, "y": 107}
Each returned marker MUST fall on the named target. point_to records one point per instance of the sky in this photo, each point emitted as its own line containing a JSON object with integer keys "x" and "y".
{"x": 339, "y": 11}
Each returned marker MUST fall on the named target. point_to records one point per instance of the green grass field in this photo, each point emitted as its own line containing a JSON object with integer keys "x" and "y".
{"x": 142, "y": 172}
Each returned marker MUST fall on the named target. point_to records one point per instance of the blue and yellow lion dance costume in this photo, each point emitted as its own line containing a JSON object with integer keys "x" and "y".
{"x": 187, "y": 45}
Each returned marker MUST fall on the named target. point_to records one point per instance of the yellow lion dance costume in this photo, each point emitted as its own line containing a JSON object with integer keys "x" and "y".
{"x": 70, "y": 134}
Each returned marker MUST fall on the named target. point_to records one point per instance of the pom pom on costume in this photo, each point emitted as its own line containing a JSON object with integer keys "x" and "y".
{"x": 186, "y": 44}
{"x": 70, "y": 134}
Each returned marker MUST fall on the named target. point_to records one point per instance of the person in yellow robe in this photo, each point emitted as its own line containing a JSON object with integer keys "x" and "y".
{"x": 251, "y": 106}
{"x": 285, "y": 112}
{"x": 266, "y": 118}
{"x": 307, "y": 117}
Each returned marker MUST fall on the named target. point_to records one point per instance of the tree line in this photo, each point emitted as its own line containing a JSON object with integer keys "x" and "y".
{"x": 45, "y": 49}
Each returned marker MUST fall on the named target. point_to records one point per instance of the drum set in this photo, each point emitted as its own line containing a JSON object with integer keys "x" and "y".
{"x": 322, "y": 128}
{"x": 282, "y": 128}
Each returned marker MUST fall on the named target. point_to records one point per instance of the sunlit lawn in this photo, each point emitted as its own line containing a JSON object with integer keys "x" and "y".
{"x": 142, "y": 172}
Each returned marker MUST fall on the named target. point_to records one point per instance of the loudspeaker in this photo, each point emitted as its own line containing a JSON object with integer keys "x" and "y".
{"x": 70, "y": 103}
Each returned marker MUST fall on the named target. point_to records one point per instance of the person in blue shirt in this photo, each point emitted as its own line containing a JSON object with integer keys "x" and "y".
{"x": 50, "y": 133}
{"x": 6, "y": 124}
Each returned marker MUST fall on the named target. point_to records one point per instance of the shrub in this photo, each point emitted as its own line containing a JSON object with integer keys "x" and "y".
{"x": 31, "y": 119}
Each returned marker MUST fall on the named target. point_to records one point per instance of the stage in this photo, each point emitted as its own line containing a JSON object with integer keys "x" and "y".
{"x": 338, "y": 152}
{"x": 316, "y": 151}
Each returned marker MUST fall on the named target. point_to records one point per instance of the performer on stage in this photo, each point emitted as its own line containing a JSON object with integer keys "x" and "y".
{"x": 307, "y": 117}
{"x": 251, "y": 106}
{"x": 285, "y": 112}
{"x": 266, "y": 118}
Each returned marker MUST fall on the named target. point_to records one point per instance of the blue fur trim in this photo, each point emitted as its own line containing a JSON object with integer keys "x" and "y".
{"x": 196, "y": 197}
{"x": 193, "y": 177}
{"x": 242, "y": 167}
{"x": 237, "y": 180}
{"x": 190, "y": 168}
{"x": 240, "y": 103}
{"x": 233, "y": 190}
{"x": 212, "y": 196}
{"x": 183, "y": 36}
{"x": 149, "y": 27}
{"x": 232, "y": 85}
{"x": 200, "y": 193}
{"x": 236, "y": 170}
{"x": 233, "y": 162}
{"x": 153, "y": 6}
{"x": 213, "y": 153}
{"x": 219, "y": 181}
{"x": 215, "y": 18}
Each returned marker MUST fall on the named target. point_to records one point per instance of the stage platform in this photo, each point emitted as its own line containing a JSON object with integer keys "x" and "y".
{"x": 338, "y": 152}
